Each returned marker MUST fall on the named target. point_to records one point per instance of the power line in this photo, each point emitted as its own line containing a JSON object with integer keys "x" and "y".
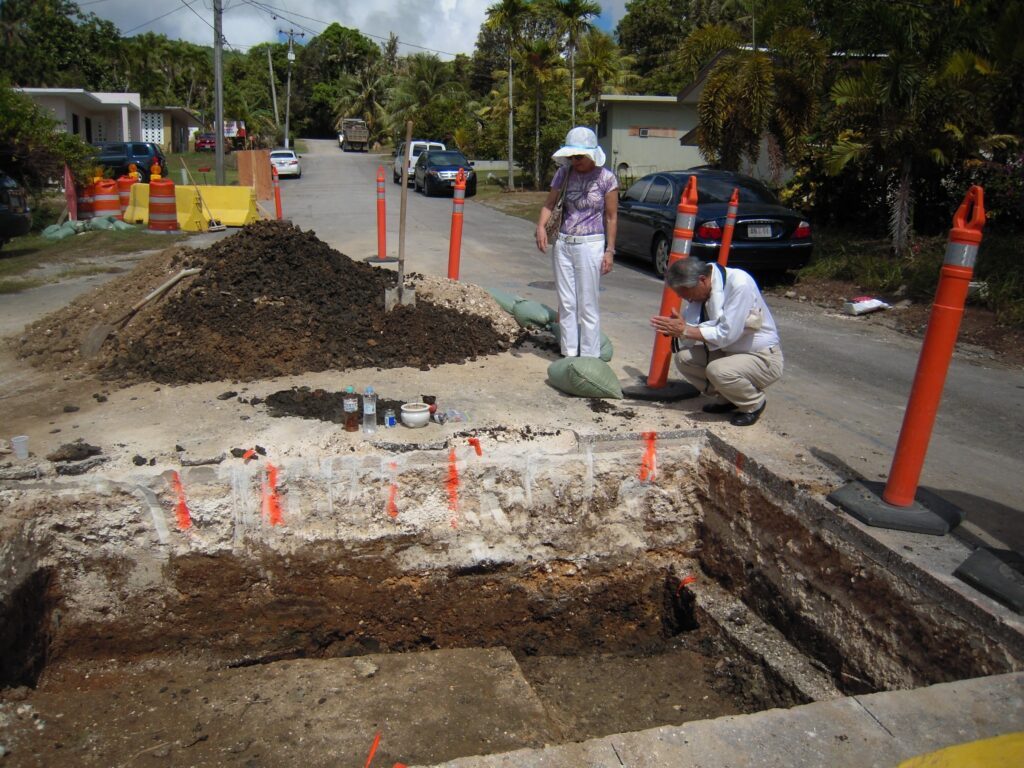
{"x": 147, "y": 23}
{"x": 280, "y": 12}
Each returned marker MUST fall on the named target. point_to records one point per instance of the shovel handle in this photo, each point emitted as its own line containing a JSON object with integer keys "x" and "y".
{"x": 164, "y": 286}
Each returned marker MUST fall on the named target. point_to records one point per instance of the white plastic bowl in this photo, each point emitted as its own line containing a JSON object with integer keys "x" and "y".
{"x": 415, "y": 414}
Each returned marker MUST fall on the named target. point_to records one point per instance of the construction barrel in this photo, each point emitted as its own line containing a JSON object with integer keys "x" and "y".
{"x": 124, "y": 192}
{"x": 85, "y": 202}
{"x": 105, "y": 201}
{"x": 163, "y": 209}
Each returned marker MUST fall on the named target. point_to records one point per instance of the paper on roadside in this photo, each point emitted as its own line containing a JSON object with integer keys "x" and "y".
{"x": 862, "y": 305}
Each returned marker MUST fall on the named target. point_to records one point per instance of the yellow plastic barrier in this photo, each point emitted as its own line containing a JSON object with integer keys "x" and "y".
{"x": 999, "y": 752}
{"x": 231, "y": 206}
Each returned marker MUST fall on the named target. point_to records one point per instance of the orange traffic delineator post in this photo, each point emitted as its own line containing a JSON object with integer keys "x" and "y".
{"x": 730, "y": 225}
{"x": 656, "y": 386}
{"x": 105, "y": 200}
{"x": 163, "y": 208}
{"x": 900, "y": 504}
{"x": 455, "y": 242}
{"x": 682, "y": 240}
{"x": 382, "y": 222}
{"x": 277, "y": 193}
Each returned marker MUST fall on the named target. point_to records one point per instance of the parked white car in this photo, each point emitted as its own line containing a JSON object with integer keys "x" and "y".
{"x": 418, "y": 146}
{"x": 286, "y": 162}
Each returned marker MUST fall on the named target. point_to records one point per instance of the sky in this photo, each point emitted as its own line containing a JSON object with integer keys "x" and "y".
{"x": 445, "y": 27}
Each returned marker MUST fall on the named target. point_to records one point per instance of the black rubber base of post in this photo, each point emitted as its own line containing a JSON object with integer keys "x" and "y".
{"x": 998, "y": 573}
{"x": 378, "y": 260}
{"x": 672, "y": 391}
{"x": 863, "y": 500}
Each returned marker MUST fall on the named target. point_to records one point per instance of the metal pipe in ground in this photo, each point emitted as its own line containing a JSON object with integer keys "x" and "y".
{"x": 382, "y": 249}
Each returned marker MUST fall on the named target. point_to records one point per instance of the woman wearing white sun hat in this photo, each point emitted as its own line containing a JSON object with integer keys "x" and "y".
{"x": 585, "y": 247}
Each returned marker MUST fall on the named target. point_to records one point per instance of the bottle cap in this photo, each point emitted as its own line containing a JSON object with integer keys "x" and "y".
{"x": 350, "y": 389}
{"x": 369, "y": 390}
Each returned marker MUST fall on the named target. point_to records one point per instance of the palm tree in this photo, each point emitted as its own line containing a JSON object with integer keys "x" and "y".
{"x": 602, "y": 66}
{"x": 508, "y": 16}
{"x": 364, "y": 95}
{"x": 573, "y": 19}
{"x": 426, "y": 79}
{"x": 903, "y": 114}
{"x": 541, "y": 67}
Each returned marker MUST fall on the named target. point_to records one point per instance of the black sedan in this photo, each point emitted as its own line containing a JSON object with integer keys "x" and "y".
{"x": 436, "y": 171}
{"x": 768, "y": 237}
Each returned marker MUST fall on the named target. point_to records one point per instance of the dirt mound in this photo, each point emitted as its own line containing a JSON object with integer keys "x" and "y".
{"x": 270, "y": 300}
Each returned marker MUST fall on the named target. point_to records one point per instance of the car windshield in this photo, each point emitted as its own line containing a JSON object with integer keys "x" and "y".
{"x": 720, "y": 190}
{"x": 448, "y": 158}
{"x": 113, "y": 149}
{"x": 282, "y": 155}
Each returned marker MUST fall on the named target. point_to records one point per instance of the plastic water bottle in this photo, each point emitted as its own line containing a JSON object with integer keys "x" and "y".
{"x": 369, "y": 411}
{"x": 350, "y": 408}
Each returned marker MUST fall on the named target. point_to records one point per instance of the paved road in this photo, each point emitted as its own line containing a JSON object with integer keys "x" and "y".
{"x": 846, "y": 381}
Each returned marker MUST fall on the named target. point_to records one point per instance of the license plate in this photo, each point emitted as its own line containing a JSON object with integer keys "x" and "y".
{"x": 759, "y": 230}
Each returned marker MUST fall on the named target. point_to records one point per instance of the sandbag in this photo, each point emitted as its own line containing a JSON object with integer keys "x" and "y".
{"x": 607, "y": 348}
{"x": 552, "y": 314}
{"x": 584, "y": 377}
{"x": 100, "y": 224}
{"x": 121, "y": 225}
{"x": 505, "y": 300}
{"x": 58, "y": 232}
{"x": 531, "y": 314}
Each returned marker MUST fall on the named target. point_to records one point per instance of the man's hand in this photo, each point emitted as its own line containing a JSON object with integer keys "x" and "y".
{"x": 673, "y": 325}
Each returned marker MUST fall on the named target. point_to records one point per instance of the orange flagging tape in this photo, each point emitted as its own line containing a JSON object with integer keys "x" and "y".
{"x": 393, "y": 493}
{"x": 740, "y": 460}
{"x": 475, "y": 442}
{"x": 649, "y": 463}
{"x": 373, "y": 750}
{"x": 181, "y": 508}
{"x": 271, "y": 502}
{"x": 249, "y": 455}
{"x": 686, "y": 580}
{"x": 453, "y": 488}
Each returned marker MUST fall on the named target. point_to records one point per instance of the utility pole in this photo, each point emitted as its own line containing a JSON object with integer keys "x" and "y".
{"x": 218, "y": 88}
{"x": 288, "y": 95}
{"x": 273, "y": 89}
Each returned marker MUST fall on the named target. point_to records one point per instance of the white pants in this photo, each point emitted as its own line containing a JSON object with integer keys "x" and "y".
{"x": 578, "y": 279}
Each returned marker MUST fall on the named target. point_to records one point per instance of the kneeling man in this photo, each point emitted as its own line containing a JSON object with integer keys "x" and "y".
{"x": 725, "y": 343}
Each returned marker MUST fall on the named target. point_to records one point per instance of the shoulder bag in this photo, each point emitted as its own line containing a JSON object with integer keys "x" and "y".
{"x": 554, "y": 222}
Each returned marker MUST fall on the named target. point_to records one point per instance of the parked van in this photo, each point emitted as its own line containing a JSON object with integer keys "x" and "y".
{"x": 418, "y": 146}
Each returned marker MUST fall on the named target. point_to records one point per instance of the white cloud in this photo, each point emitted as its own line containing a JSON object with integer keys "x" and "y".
{"x": 444, "y": 26}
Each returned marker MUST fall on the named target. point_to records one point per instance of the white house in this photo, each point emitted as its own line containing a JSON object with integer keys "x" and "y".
{"x": 97, "y": 117}
{"x": 641, "y": 134}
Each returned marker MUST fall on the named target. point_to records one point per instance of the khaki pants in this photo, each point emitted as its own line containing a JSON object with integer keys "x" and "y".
{"x": 739, "y": 378}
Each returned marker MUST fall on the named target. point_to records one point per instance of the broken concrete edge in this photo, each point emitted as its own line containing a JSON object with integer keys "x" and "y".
{"x": 878, "y": 545}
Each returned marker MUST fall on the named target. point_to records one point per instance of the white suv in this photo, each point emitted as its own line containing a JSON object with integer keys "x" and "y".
{"x": 418, "y": 146}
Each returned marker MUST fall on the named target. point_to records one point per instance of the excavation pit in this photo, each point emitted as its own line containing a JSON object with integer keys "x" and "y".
{"x": 458, "y": 601}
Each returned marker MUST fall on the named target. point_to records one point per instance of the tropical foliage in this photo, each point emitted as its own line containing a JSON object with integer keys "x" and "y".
{"x": 883, "y": 110}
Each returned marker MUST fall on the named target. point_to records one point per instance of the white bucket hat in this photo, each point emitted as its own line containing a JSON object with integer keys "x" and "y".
{"x": 580, "y": 141}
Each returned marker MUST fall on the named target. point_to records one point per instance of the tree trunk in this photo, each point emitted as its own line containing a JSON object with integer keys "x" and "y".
{"x": 572, "y": 81}
{"x": 901, "y": 204}
{"x": 511, "y": 115}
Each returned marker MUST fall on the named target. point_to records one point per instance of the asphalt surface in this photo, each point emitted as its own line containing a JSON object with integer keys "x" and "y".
{"x": 846, "y": 382}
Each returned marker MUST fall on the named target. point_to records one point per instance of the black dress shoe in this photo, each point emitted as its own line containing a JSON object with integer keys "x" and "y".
{"x": 746, "y": 419}
{"x": 719, "y": 408}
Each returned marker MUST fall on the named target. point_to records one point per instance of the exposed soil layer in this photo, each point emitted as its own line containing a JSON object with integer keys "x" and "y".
{"x": 270, "y": 300}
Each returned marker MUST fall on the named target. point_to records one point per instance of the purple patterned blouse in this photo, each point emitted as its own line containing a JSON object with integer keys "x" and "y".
{"x": 584, "y": 199}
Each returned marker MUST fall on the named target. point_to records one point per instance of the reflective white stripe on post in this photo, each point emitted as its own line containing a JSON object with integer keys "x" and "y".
{"x": 682, "y": 235}
{"x": 961, "y": 254}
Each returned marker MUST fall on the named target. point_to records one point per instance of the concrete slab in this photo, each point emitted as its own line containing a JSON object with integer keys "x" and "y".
{"x": 856, "y": 732}
{"x": 426, "y": 706}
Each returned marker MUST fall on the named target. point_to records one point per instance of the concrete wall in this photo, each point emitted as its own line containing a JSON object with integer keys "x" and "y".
{"x": 110, "y": 116}
{"x": 664, "y": 122}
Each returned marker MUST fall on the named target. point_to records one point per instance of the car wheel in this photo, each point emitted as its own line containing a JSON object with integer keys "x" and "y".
{"x": 659, "y": 254}
{"x": 427, "y": 189}
{"x": 396, "y": 177}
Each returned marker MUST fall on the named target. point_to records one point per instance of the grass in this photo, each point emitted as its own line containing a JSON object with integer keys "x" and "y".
{"x": 868, "y": 262}
{"x": 60, "y": 259}
{"x": 524, "y": 204}
{"x": 196, "y": 160}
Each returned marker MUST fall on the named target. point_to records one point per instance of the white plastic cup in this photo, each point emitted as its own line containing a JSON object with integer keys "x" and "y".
{"x": 20, "y": 446}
